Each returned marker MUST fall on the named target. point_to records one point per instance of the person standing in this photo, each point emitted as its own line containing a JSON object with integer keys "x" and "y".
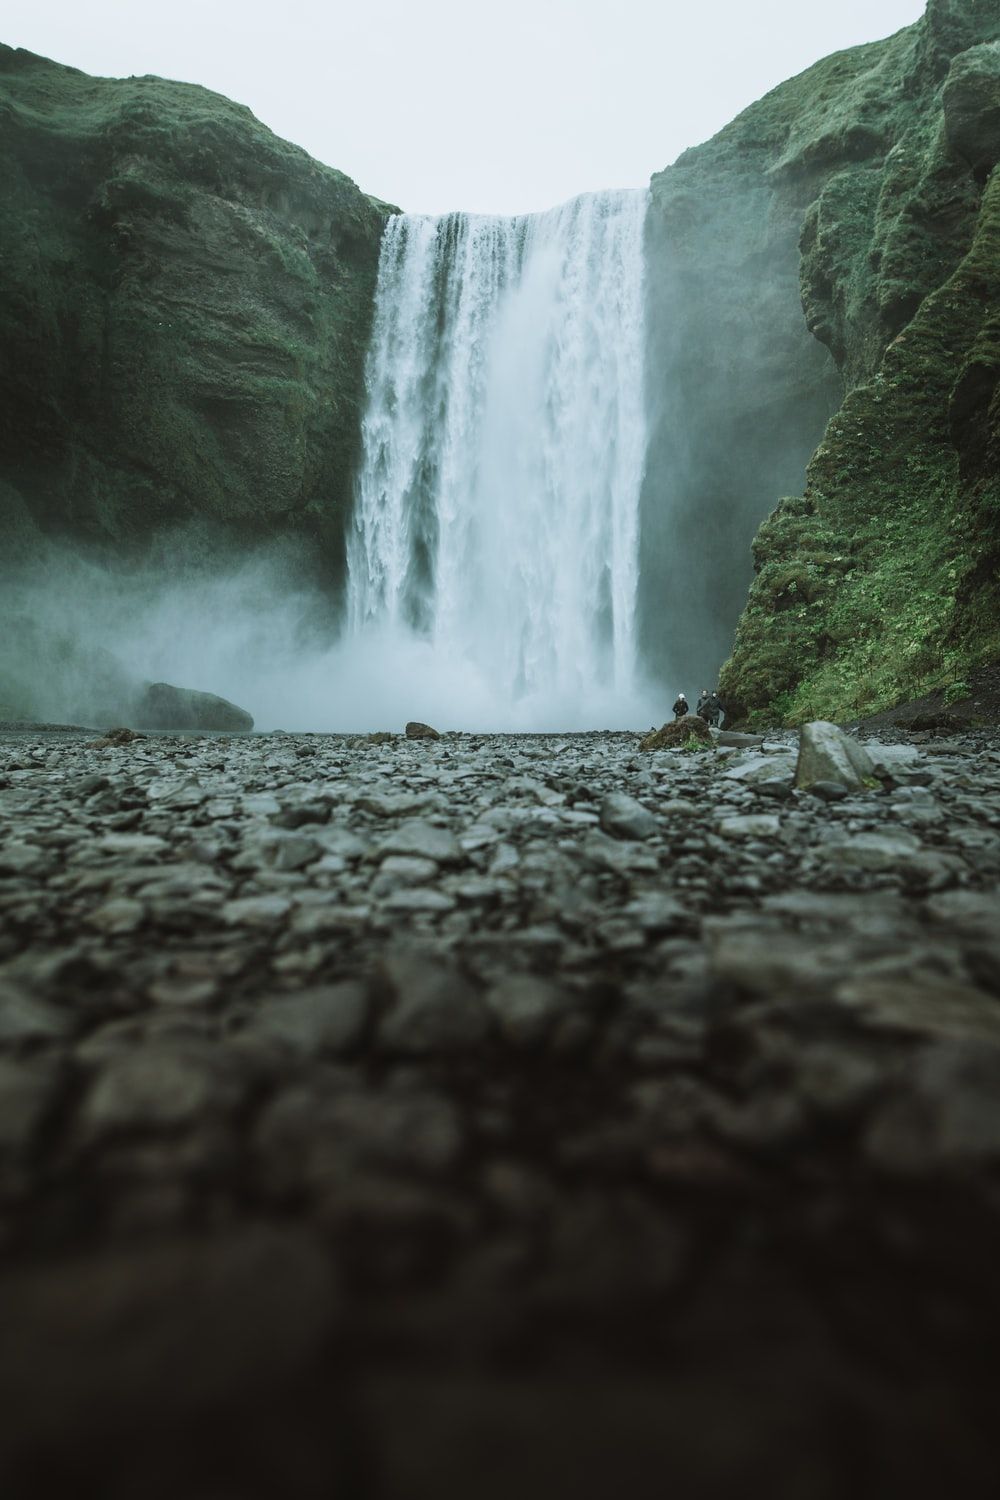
{"x": 680, "y": 707}
{"x": 701, "y": 707}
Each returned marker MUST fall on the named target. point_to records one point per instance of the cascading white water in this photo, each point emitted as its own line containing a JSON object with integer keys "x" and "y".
{"x": 497, "y": 508}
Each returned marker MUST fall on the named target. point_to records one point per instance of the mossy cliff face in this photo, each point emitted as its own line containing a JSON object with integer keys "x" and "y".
{"x": 879, "y": 583}
{"x": 186, "y": 304}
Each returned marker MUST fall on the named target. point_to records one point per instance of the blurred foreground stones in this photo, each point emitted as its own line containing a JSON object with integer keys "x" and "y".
{"x": 385, "y": 1117}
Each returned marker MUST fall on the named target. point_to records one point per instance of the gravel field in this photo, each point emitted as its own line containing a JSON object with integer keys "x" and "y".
{"x": 391, "y": 1118}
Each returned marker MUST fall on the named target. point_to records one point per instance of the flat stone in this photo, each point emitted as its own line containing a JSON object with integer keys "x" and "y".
{"x": 603, "y": 853}
{"x": 179, "y": 990}
{"x": 752, "y": 770}
{"x": 132, "y": 845}
{"x": 424, "y": 841}
{"x": 750, "y": 826}
{"x": 890, "y": 758}
{"x": 626, "y": 818}
{"x": 732, "y": 738}
{"x": 870, "y": 851}
{"x": 401, "y": 870}
{"x": 256, "y": 911}
{"x": 117, "y": 916}
{"x": 418, "y": 899}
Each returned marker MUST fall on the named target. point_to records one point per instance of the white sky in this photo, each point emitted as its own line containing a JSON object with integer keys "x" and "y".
{"x": 498, "y": 107}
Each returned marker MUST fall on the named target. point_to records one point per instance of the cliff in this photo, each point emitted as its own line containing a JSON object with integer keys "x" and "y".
{"x": 186, "y": 304}
{"x": 857, "y": 202}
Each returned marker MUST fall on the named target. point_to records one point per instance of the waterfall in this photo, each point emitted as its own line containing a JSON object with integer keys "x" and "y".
{"x": 497, "y": 506}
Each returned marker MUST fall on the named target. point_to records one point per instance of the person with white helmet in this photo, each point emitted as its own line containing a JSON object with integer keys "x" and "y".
{"x": 680, "y": 707}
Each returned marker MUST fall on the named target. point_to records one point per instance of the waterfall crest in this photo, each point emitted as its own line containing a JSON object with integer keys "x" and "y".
{"x": 497, "y": 506}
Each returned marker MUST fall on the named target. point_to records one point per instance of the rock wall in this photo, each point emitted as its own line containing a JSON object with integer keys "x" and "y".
{"x": 871, "y": 177}
{"x": 186, "y": 303}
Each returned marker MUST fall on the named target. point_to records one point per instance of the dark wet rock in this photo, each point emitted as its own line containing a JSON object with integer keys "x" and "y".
{"x": 417, "y": 731}
{"x": 626, "y": 818}
{"x": 28, "y": 1091}
{"x": 325, "y": 1020}
{"x": 827, "y": 754}
{"x": 27, "y": 1018}
{"x": 921, "y": 1007}
{"x": 526, "y": 1007}
{"x": 160, "y": 1331}
{"x": 945, "y": 1113}
{"x": 830, "y": 791}
{"x": 762, "y": 962}
{"x": 430, "y": 1007}
{"x": 319, "y": 1142}
{"x": 167, "y": 1086}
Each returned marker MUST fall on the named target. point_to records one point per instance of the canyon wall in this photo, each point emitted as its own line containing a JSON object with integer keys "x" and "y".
{"x": 856, "y": 203}
{"x": 185, "y": 305}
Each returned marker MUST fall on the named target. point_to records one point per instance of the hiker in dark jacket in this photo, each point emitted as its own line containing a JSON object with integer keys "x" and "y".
{"x": 680, "y": 707}
{"x": 713, "y": 708}
{"x": 701, "y": 708}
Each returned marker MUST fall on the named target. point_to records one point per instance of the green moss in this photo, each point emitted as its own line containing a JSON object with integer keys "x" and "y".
{"x": 879, "y": 584}
{"x": 186, "y": 308}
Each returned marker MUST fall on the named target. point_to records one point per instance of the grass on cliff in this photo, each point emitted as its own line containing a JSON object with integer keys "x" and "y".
{"x": 879, "y": 584}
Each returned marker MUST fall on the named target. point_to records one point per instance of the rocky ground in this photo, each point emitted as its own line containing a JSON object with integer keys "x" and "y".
{"x": 496, "y": 1114}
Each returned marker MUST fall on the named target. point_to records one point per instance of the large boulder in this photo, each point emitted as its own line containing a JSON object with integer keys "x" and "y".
{"x": 162, "y": 706}
{"x": 827, "y": 754}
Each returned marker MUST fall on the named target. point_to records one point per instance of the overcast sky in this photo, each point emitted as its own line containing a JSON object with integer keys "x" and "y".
{"x": 499, "y": 107}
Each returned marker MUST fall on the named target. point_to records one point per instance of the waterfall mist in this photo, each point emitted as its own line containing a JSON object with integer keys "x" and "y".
{"x": 495, "y": 541}
{"x": 493, "y": 553}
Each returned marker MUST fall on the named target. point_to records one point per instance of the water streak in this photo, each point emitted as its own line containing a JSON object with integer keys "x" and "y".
{"x": 504, "y": 438}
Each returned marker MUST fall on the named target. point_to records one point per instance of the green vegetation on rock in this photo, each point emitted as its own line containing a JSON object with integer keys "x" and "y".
{"x": 879, "y": 584}
{"x": 186, "y": 308}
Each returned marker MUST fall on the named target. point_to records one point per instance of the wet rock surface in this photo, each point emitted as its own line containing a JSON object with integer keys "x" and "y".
{"x": 371, "y": 1108}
